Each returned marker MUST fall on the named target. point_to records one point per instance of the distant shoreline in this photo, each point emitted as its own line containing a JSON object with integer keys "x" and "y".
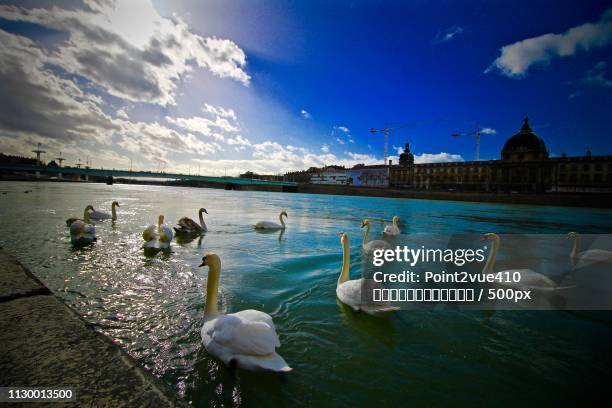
{"x": 582, "y": 200}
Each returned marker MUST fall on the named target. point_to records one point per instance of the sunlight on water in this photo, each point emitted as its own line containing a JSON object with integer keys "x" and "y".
{"x": 153, "y": 306}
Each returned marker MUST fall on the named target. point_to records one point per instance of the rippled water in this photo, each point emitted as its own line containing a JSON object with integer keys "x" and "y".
{"x": 153, "y": 306}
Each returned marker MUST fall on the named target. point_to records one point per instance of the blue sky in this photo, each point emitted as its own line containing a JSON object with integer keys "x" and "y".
{"x": 273, "y": 86}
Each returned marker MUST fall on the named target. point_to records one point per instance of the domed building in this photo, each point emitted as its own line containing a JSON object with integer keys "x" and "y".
{"x": 524, "y": 145}
{"x": 525, "y": 166}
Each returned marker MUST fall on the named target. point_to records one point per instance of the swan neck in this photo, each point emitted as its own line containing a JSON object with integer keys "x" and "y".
{"x": 212, "y": 289}
{"x": 114, "y": 211}
{"x": 395, "y": 222}
{"x": 488, "y": 268}
{"x": 86, "y": 215}
{"x": 346, "y": 260}
{"x": 576, "y": 247}
{"x": 280, "y": 217}
{"x": 202, "y": 224}
{"x": 366, "y": 235}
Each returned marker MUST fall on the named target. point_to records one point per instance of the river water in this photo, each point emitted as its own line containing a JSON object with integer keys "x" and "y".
{"x": 152, "y": 306}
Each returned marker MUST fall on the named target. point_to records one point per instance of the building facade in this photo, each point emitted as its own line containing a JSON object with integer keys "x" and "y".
{"x": 524, "y": 165}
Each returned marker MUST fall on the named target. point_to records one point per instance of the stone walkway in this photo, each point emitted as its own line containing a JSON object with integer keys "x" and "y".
{"x": 44, "y": 343}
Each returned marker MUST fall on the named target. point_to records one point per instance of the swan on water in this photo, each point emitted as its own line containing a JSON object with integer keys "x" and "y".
{"x": 246, "y": 339}
{"x": 187, "y": 226}
{"x": 81, "y": 231}
{"x": 273, "y": 225}
{"x": 369, "y": 246}
{"x": 393, "y": 229}
{"x": 157, "y": 236}
{"x": 529, "y": 278}
{"x": 105, "y": 215}
{"x": 589, "y": 256}
{"x": 349, "y": 291}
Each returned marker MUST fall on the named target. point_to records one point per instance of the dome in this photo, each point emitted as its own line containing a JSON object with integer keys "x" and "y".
{"x": 525, "y": 145}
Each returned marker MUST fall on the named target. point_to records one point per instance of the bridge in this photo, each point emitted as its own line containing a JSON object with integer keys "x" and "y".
{"x": 105, "y": 173}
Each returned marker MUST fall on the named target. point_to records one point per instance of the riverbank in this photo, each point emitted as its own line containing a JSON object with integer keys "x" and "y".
{"x": 566, "y": 199}
{"x": 47, "y": 344}
{"x": 590, "y": 200}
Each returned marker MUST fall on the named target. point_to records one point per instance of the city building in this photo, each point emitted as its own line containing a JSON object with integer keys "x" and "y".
{"x": 524, "y": 165}
{"x": 337, "y": 175}
{"x": 369, "y": 176}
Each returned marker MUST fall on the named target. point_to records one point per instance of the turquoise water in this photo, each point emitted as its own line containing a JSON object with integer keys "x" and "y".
{"x": 153, "y": 306}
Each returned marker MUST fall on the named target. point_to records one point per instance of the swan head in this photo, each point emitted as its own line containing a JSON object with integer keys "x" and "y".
{"x": 89, "y": 207}
{"x": 491, "y": 236}
{"x": 203, "y": 210}
{"x": 160, "y": 220}
{"x": 343, "y": 238}
{"x": 116, "y": 203}
{"x": 365, "y": 222}
{"x": 572, "y": 234}
{"x": 284, "y": 213}
{"x": 395, "y": 219}
{"x": 211, "y": 260}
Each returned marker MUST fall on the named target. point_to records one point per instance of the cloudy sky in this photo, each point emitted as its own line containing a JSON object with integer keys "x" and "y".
{"x": 275, "y": 86}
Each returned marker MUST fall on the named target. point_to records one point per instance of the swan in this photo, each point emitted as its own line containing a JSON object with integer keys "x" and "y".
{"x": 349, "y": 291}
{"x": 589, "y": 256}
{"x": 273, "y": 225}
{"x": 393, "y": 229}
{"x": 370, "y": 246}
{"x": 529, "y": 278}
{"x": 81, "y": 231}
{"x": 157, "y": 236}
{"x": 187, "y": 226}
{"x": 246, "y": 339}
{"x": 104, "y": 215}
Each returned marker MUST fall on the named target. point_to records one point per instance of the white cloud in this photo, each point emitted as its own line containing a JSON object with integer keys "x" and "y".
{"x": 220, "y": 111}
{"x": 305, "y": 114}
{"x": 596, "y": 76}
{"x": 488, "y": 131}
{"x": 516, "y": 59}
{"x": 447, "y": 34}
{"x": 325, "y": 149}
{"x": 442, "y": 157}
{"x": 340, "y": 141}
{"x": 342, "y": 128}
{"x": 363, "y": 157}
{"x": 140, "y": 61}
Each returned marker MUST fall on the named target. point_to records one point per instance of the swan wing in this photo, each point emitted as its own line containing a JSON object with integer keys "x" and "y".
{"x": 99, "y": 215}
{"x": 391, "y": 230}
{"x": 376, "y": 244}
{"x": 150, "y": 233}
{"x": 166, "y": 234}
{"x": 241, "y": 336}
{"x": 531, "y": 279}
{"x": 188, "y": 223}
{"x": 349, "y": 293}
{"x": 268, "y": 225}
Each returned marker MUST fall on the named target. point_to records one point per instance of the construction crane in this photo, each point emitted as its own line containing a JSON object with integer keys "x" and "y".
{"x": 476, "y": 133}
{"x": 38, "y": 153}
{"x": 60, "y": 159}
{"x": 386, "y": 130}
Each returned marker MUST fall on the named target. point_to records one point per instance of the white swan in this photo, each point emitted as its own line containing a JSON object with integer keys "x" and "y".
{"x": 393, "y": 229}
{"x": 246, "y": 339}
{"x": 187, "y": 226}
{"x": 589, "y": 256}
{"x": 370, "y": 246}
{"x": 81, "y": 231}
{"x": 529, "y": 278}
{"x": 273, "y": 225}
{"x": 349, "y": 291}
{"x": 104, "y": 215}
{"x": 157, "y": 236}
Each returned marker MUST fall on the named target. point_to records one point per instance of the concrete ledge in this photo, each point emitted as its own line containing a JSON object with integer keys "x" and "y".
{"x": 44, "y": 343}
